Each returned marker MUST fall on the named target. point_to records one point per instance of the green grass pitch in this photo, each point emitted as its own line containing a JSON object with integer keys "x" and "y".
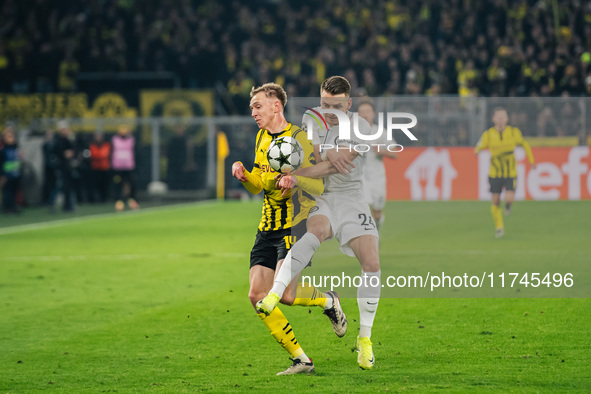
{"x": 156, "y": 301}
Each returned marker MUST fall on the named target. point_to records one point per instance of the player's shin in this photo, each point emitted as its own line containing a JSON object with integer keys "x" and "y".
{"x": 281, "y": 330}
{"x": 368, "y": 297}
{"x": 497, "y": 215}
{"x": 308, "y": 295}
{"x": 296, "y": 260}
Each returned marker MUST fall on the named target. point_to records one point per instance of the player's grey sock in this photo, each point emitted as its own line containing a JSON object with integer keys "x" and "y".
{"x": 368, "y": 297}
{"x": 296, "y": 260}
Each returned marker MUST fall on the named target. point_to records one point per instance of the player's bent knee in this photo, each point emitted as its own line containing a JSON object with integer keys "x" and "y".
{"x": 370, "y": 263}
{"x": 320, "y": 227}
{"x": 255, "y": 296}
{"x": 320, "y": 233}
{"x": 496, "y": 199}
{"x": 370, "y": 266}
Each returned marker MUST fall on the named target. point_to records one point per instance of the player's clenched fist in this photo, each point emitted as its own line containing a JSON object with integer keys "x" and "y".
{"x": 286, "y": 183}
{"x": 238, "y": 171}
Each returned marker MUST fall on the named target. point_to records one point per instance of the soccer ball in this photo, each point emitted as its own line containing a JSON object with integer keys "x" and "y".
{"x": 285, "y": 154}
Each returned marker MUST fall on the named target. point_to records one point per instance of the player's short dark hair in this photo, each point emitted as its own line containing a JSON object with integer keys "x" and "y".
{"x": 497, "y": 109}
{"x": 336, "y": 85}
{"x": 366, "y": 100}
{"x": 271, "y": 89}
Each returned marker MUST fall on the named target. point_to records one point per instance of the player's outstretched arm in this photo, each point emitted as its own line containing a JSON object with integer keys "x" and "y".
{"x": 482, "y": 143}
{"x": 313, "y": 186}
{"x": 310, "y": 185}
{"x": 238, "y": 171}
{"x": 252, "y": 181}
{"x": 342, "y": 160}
{"x": 317, "y": 171}
{"x": 529, "y": 153}
{"x": 519, "y": 140}
{"x": 304, "y": 175}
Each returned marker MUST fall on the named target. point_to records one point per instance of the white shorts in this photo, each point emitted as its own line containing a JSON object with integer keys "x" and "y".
{"x": 375, "y": 193}
{"x": 349, "y": 216}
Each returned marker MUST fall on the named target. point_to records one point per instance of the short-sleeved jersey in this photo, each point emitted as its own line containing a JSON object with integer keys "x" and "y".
{"x": 501, "y": 146}
{"x": 339, "y": 183}
{"x": 282, "y": 212}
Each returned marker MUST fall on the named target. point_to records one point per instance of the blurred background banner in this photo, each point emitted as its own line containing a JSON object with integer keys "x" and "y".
{"x": 109, "y": 105}
{"x": 33, "y": 112}
{"x": 455, "y": 173}
{"x": 23, "y": 110}
{"x": 179, "y": 104}
{"x": 177, "y": 146}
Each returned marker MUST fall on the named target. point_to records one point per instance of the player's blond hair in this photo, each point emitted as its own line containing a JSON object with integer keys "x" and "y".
{"x": 271, "y": 89}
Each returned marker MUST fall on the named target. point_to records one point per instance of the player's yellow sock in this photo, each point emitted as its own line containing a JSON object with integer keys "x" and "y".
{"x": 282, "y": 332}
{"x": 308, "y": 295}
{"x": 497, "y": 215}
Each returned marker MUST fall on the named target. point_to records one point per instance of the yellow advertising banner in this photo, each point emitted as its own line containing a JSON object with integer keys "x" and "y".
{"x": 553, "y": 141}
{"x": 41, "y": 110}
{"x": 180, "y": 104}
{"x": 110, "y": 105}
{"x": 27, "y": 109}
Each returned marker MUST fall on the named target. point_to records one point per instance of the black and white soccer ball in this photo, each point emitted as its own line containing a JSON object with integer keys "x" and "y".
{"x": 285, "y": 154}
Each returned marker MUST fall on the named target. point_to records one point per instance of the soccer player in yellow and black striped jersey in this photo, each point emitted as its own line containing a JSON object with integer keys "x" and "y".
{"x": 501, "y": 140}
{"x": 281, "y": 212}
{"x": 282, "y": 222}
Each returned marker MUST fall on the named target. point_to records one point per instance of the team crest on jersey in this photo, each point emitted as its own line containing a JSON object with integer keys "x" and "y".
{"x": 338, "y": 141}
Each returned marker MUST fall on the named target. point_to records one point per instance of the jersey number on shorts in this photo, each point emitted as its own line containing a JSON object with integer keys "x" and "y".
{"x": 289, "y": 241}
{"x": 367, "y": 221}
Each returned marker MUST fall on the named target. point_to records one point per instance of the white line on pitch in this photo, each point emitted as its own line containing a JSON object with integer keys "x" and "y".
{"x": 62, "y": 222}
{"x": 478, "y": 252}
{"x": 84, "y": 257}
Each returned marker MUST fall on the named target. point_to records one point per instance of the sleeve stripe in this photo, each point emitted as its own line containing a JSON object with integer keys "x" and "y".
{"x": 261, "y": 132}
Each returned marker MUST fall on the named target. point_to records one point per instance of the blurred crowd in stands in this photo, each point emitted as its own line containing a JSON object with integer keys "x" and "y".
{"x": 78, "y": 168}
{"x": 75, "y": 170}
{"x": 483, "y": 48}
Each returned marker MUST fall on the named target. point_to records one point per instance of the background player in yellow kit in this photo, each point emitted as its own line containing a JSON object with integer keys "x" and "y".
{"x": 501, "y": 140}
{"x": 283, "y": 222}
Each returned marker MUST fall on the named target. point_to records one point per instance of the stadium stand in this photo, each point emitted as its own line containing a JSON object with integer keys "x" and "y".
{"x": 483, "y": 48}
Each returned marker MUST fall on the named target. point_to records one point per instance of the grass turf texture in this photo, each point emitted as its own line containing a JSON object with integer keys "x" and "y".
{"x": 157, "y": 301}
